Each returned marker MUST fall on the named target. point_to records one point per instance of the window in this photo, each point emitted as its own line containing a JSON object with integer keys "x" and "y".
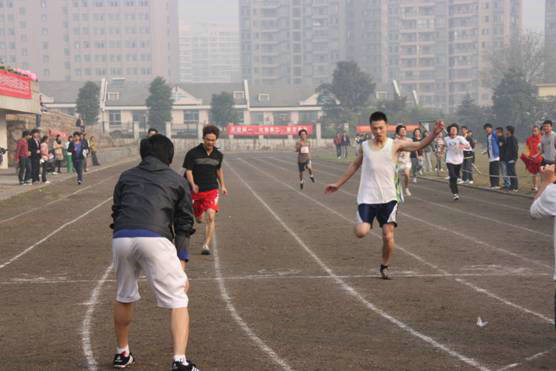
{"x": 239, "y": 96}
{"x": 281, "y": 118}
{"x": 191, "y": 117}
{"x": 115, "y": 118}
{"x": 263, "y": 97}
{"x": 113, "y": 96}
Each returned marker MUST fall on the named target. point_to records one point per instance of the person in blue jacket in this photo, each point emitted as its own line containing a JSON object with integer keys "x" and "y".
{"x": 493, "y": 152}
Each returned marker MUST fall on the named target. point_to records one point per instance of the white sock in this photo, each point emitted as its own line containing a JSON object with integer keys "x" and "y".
{"x": 180, "y": 358}
{"x": 122, "y": 350}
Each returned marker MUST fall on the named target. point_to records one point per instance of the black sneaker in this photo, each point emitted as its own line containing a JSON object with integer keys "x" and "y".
{"x": 178, "y": 366}
{"x": 123, "y": 361}
{"x": 301, "y": 185}
{"x": 312, "y": 179}
{"x": 205, "y": 251}
{"x": 383, "y": 272}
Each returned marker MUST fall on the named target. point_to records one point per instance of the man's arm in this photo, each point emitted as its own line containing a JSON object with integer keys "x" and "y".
{"x": 416, "y": 146}
{"x": 352, "y": 169}
{"x": 220, "y": 175}
{"x": 183, "y": 224}
{"x": 191, "y": 181}
{"x": 116, "y": 200}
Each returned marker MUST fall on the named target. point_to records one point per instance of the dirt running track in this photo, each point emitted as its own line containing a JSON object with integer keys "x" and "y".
{"x": 288, "y": 287}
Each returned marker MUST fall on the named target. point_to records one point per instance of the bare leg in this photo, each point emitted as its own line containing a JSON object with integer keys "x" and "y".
{"x": 179, "y": 328}
{"x": 183, "y": 266}
{"x": 362, "y": 229}
{"x": 209, "y": 229}
{"x": 123, "y": 315}
{"x": 387, "y": 242}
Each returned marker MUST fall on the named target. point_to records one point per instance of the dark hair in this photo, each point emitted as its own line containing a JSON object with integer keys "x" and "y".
{"x": 378, "y": 116}
{"x": 76, "y": 133}
{"x": 417, "y": 130}
{"x": 511, "y": 129}
{"x": 34, "y": 131}
{"x": 25, "y": 133}
{"x": 158, "y": 146}
{"x": 152, "y": 129}
{"x": 44, "y": 138}
{"x": 398, "y": 128}
{"x": 211, "y": 129}
{"x": 500, "y": 128}
{"x": 464, "y": 127}
{"x": 535, "y": 127}
{"x": 487, "y": 125}
{"x": 301, "y": 131}
{"x": 547, "y": 122}
{"x": 454, "y": 125}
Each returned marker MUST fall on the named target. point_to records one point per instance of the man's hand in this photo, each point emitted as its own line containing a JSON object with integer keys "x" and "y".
{"x": 331, "y": 188}
{"x": 195, "y": 188}
{"x": 438, "y": 127}
{"x": 224, "y": 190}
{"x": 547, "y": 174}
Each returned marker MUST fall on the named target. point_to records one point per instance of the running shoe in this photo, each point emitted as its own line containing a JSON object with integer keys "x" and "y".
{"x": 312, "y": 179}
{"x": 205, "y": 251}
{"x": 414, "y": 180}
{"x": 78, "y": 182}
{"x": 179, "y": 366}
{"x": 470, "y": 182}
{"x": 408, "y": 192}
{"x": 46, "y": 182}
{"x": 301, "y": 185}
{"x": 456, "y": 197}
{"x": 460, "y": 181}
{"x": 495, "y": 187}
{"x": 384, "y": 272}
{"x": 122, "y": 360}
{"x": 447, "y": 177}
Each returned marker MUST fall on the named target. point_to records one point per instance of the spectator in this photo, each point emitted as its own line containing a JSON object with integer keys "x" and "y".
{"x": 547, "y": 144}
{"x": 22, "y": 157}
{"x": 512, "y": 150}
{"x": 44, "y": 152}
{"x": 345, "y": 144}
{"x": 468, "y": 156}
{"x": 338, "y": 144}
{"x": 545, "y": 205}
{"x": 77, "y": 150}
{"x": 427, "y": 151}
{"x": 439, "y": 152}
{"x": 58, "y": 152}
{"x": 93, "y": 148}
{"x": 503, "y": 157}
{"x": 151, "y": 132}
{"x": 532, "y": 158}
{"x": 416, "y": 156}
{"x": 85, "y": 150}
{"x": 69, "y": 158}
{"x": 35, "y": 150}
{"x": 493, "y": 152}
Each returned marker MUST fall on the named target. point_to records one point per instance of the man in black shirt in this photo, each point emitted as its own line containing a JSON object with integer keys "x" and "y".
{"x": 203, "y": 170}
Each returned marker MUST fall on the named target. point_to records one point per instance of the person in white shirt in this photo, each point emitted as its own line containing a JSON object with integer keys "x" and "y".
{"x": 455, "y": 146}
{"x": 377, "y": 196}
{"x": 545, "y": 206}
{"x": 404, "y": 159}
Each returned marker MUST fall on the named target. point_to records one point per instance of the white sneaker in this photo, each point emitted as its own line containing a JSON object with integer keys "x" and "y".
{"x": 460, "y": 181}
{"x": 47, "y": 182}
{"x": 495, "y": 187}
{"x": 456, "y": 197}
{"x": 414, "y": 180}
{"x": 447, "y": 178}
{"x": 407, "y": 193}
{"x": 470, "y": 182}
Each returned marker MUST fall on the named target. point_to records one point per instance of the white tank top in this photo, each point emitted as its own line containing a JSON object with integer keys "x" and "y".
{"x": 378, "y": 175}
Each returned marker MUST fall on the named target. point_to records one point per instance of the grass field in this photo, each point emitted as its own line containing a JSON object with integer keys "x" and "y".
{"x": 481, "y": 178}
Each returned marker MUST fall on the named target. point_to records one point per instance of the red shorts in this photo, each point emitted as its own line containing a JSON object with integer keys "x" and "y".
{"x": 203, "y": 201}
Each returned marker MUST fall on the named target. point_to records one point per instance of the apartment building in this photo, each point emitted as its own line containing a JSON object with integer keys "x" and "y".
{"x": 550, "y": 40}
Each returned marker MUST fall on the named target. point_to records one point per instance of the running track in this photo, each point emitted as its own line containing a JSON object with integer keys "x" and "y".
{"x": 288, "y": 286}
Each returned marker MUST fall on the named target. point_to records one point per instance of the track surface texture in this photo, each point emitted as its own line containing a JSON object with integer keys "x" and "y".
{"x": 288, "y": 287}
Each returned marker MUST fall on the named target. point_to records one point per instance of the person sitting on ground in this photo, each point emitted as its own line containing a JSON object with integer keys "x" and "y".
{"x": 152, "y": 208}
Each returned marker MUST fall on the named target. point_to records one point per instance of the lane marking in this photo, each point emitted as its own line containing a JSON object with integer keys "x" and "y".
{"x": 87, "y": 320}
{"x": 350, "y": 290}
{"x": 237, "y": 318}
{"x": 3, "y": 265}
{"x": 417, "y": 257}
{"x": 528, "y": 359}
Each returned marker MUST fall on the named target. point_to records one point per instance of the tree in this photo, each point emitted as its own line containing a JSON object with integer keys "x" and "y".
{"x": 525, "y": 53}
{"x": 88, "y": 103}
{"x": 515, "y": 101}
{"x": 348, "y": 94}
{"x": 160, "y": 104}
{"x": 222, "y": 109}
{"x": 470, "y": 114}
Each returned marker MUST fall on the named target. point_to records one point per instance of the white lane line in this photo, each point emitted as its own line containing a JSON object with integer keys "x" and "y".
{"x": 54, "y": 201}
{"x": 355, "y": 293}
{"x": 400, "y": 275}
{"x": 235, "y": 315}
{"x": 415, "y": 256}
{"x": 86, "y": 324}
{"x": 459, "y": 234}
{"x": 3, "y": 265}
{"x": 528, "y": 359}
{"x": 548, "y": 236}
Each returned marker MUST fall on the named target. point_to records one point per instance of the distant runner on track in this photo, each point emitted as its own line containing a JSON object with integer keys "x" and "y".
{"x": 303, "y": 149}
{"x": 377, "y": 196}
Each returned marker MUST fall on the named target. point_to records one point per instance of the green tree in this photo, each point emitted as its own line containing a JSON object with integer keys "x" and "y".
{"x": 514, "y": 101}
{"x": 470, "y": 114}
{"x": 160, "y": 104}
{"x": 349, "y": 93}
{"x": 222, "y": 109}
{"x": 88, "y": 103}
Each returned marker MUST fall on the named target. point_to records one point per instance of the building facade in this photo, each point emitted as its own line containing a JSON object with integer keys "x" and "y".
{"x": 82, "y": 40}
{"x": 550, "y": 40}
{"x": 209, "y": 53}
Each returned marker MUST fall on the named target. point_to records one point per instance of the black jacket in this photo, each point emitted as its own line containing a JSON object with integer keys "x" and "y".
{"x": 503, "y": 148}
{"x": 33, "y": 148}
{"x": 512, "y": 149}
{"x": 154, "y": 197}
{"x": 74, "y": 154}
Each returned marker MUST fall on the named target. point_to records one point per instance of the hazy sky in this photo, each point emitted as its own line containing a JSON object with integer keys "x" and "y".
{"x": 225, "y": 11}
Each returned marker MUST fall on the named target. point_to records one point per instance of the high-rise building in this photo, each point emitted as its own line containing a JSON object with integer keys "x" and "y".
{"x": 291, "y": 41}
{"x": 91, "y": 39}
{"x": 209, "y": 52}
{"x": 550, "y": 40}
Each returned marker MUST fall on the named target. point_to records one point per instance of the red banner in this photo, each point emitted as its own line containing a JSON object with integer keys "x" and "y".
{"x": 13, "y": 85}
{"x": 267, "y": 130}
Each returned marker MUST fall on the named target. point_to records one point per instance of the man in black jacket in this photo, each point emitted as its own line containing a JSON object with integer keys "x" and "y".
{"x": 78, "y": 155}
{"x": 35, "y": 150}
{"x": 152, "y": 208}
{"x": 512, "y": 150}
{"x": 503, "y": 157}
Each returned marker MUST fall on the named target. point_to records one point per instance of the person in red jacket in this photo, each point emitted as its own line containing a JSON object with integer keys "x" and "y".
{"x": 22, "y": 155}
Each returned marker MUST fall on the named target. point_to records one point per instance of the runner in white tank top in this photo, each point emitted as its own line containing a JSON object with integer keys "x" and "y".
{"x": 377, "y": 196}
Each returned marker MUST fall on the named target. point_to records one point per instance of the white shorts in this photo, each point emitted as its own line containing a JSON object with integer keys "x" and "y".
{"x": 404, "y": 166}
{"x": 157, "y": 257}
